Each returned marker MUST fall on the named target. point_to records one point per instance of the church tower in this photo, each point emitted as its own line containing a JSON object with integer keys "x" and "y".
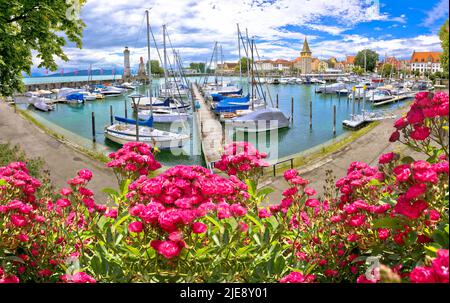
{"x": 305, "y": 58}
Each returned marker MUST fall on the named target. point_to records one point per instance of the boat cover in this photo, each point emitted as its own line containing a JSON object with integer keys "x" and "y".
{"x": 148, "y": 122}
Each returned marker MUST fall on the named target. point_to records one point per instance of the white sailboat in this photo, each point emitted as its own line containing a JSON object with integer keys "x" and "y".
{"x": 133, "y": 130}
{"x": 161, "y": 115}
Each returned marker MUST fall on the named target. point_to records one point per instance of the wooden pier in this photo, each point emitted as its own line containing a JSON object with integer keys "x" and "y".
{"x": 210, "y": 130}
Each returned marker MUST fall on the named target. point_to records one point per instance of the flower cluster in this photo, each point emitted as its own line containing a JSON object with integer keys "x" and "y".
{"x": 16, "y": 176}
{"x": 436, "y": 273}
{"x": 297, "y": 277}
{"x": 424, "y": 121}
{"x": 358, "y": 175}
{"x": 243, "y": 160}
{"x": 134, "y": 159}
{"x": 174, "y": 201}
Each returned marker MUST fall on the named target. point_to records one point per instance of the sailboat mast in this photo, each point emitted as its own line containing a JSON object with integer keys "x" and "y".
{"x": 253, "y": 77}
{"x": 247, "y": 58}
{"x": 239, "y": 50}
{"x": 149, "y": 64}
{"x": 221, "y": 60}
{"x": 165, "y": 60}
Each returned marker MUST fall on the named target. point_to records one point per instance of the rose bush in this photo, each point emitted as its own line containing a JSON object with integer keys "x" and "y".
{"x": 190, "y": 225}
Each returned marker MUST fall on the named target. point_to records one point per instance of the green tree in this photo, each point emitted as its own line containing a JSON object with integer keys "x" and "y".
{"x": 386, "y": 70}
{"x": 443, "y": 36}
{"x": 370, "y": 61}
{"x": 358, "y": 70}
{"x": 199, "y": 67}
{"x": 42, "y": 26}
{"x": 244, "y": 62}
{"x": 156, "y": 69}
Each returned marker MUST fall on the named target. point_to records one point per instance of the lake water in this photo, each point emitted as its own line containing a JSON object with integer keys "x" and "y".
{"x": 74, "y": 121}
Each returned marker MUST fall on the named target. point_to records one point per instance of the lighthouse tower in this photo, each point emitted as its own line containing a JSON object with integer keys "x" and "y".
{"x": 126, "y": 64}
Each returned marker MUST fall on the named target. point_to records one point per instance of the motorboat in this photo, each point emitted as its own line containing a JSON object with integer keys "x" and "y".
{"x": 127, "y": 85}
{"x": 88, "y": 96}
{"x": 379, "y": 95}
{"x": 111, "y": 91}
{"x": 330, "y": 88}
{"x": 125, "y": 132}
{"x": 161, "y": 115}
{"x": 75, "y": 98}
{"x": 42, "y": 105}
{"x": 260, "y": 120}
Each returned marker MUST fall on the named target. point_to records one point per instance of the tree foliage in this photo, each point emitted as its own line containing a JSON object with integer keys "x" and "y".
{"x": 244, "y": 62}
{"x": 443, "y": 35}
{"x": 156, "y": 69}
{"x": 371, "y": 59}
{"x": 358, "y": 70}
{"x": 40, "y": 27}
{"x": 387, "y": 69}
{"x": 198, "y": 66}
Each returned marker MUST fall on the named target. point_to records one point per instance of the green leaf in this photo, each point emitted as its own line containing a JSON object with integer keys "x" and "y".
{"x": 216, "y": 240}
{"x": 387, "y": 222}
{"x": 110, "y": 191}
{"x": 124, "y": 217}
{"x": 254, "y": 220}
{"x": 256, "y": 237}
{"x": 3, "y": 182}
{"x": 441, "y": 238}
{"x": 265, "y": 191}
{"x": 124, "y": 186}
{"x": 374, "y": 182}
{"x": 407, "y": 160}
{"x": 251, "y": 187}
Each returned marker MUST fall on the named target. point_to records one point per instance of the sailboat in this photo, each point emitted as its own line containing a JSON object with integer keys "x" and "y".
{"x": 134, "y": 130}
{"x": 260, "y": 118}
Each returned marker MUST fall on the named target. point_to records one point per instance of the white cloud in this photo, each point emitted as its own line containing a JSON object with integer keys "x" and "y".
{"x": 439, "y": 11}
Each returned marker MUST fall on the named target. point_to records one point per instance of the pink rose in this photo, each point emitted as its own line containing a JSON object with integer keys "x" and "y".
{"x": 199, "y": 228}
{"x": 135, "y": 227}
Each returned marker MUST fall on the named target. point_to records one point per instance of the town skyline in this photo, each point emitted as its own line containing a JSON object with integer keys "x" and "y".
{"x": 333, "y": 29}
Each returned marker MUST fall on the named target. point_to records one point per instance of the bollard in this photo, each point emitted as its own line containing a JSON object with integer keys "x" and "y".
{"x": 137, "y": 129}
{"x": 277, "y": 100}
{"x": 292, "y": 109}
{"x": 310, "y": 114}
{"x": 334, "y": 120}
{"x": 353, "y": 103}
{"x": 111, "y": 114}
{"x": 93, "y": 127}
{"x": 126, "y": 110}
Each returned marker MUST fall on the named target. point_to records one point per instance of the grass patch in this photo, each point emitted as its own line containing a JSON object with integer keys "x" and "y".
{"x": 90, "y": 153}
{"x": 9, "y": 153}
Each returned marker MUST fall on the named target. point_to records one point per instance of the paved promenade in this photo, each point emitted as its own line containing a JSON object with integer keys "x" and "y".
{"x": 366, "y": 148}
{"x": 62, "y": 161}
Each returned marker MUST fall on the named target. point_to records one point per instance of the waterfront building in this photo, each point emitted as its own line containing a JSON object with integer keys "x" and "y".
{"x": 126, "y": 64}
{"x": 405, "y": 65}
{"x": 322, "y": 66}
{"x": 282, "y": 65}
{"x": 305, "y": 60}
{"x": 264, "y": 65}
{"x": 349, "y": 63}
{"x": 426, "y": 62}
{"x": 315, "y": 65}
{"x": 227, "y": 67}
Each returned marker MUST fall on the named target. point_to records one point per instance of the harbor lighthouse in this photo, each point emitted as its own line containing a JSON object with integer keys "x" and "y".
{"x": 126, "y": 64}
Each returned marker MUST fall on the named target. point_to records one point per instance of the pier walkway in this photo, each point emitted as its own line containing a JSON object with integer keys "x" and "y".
{"x": 211, "y": 132}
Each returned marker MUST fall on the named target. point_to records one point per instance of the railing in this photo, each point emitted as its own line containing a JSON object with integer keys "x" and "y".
{"x": 274, "y": 166}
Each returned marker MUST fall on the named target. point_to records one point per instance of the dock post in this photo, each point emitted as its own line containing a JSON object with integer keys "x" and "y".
{"x": 339, "y": 97}
{"x": 353, "y": 102}
{"x": 292, "y": 109}
{"x": 310, "y": 114}
{"x": 334, "y": 120}
{"x": 126, "y": 111}
{"x": 277, "y": 100}
{"x": 364, "y": 101}
{"x": 137, "y": 129}
{"x": 111, "y": 114}
{"x": 93, "y": 127}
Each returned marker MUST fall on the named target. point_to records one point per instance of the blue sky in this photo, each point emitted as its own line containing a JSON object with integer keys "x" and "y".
{"x": 333, "y": 27}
